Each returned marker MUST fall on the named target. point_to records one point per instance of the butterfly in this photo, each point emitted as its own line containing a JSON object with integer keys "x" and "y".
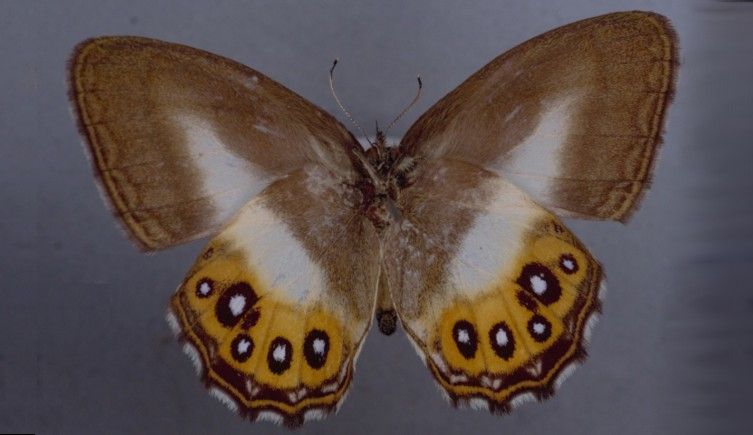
{"x": 455, "y": 232}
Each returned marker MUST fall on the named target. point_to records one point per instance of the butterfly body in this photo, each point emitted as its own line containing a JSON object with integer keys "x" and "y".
{"x": 455, "y": 232}
{"x": 381, "y": 177}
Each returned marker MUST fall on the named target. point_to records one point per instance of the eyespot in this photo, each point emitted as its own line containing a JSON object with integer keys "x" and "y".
{"x": 539, "y": 328}
{"x": 204, "y": 288}
{"x": 502, "y": 340}
{"x": 280, "y": 355}
{"x": 465, "y": 337}
{"x": 568, "y": 264}
{"x": 316, "y": 348}
{"x": 539, "y": 280}
{"x": 242, "y": 347}
{"x": 234, "y": 303}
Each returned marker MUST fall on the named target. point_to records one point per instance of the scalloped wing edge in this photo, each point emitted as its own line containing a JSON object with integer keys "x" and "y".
{"x": 293, "y": 421}
{"x": 537, "y": 394}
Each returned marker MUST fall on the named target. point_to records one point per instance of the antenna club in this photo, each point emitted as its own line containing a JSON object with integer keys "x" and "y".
{"x": 337, "y": 100}
{"x": 418, "y": 94}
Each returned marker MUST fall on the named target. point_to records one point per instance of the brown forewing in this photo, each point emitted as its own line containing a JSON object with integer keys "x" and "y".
{"x": 141, "y": 103}
{"x": 619, "y": 68}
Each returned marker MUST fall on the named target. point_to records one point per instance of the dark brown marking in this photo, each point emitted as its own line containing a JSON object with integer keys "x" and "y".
{"x": 241, "y": 355}
{"x": 224, "y": 314}
{"x": 568, "y": 264}
{"x": 536, "y": 271}
{"x": 251, "y": 319}
{"x": 279, "y": 366}
{"x": 503, "y": 350}
{"x": 526, "y": 301}
{"x": 543, "y": 335}
{"x": 316, "y": 359}
{"x": 468, "y": 345}
{"x": 200, "y": 283}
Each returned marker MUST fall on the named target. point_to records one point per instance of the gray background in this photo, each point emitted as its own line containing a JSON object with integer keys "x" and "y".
{"x": 83, "y": 344}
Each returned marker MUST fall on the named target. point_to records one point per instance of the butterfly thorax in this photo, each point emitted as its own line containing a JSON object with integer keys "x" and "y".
{"x": 385, "y": 173}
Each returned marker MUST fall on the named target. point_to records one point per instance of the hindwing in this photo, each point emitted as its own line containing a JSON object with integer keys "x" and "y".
{"x": 276, "y": 307}
{"x": 496, "y": 294}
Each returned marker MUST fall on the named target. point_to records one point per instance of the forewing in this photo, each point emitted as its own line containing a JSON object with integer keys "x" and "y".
{"x": 276, "y": 307}
{"x": 182, "y": 138}
{"x": 573, "y": 116}
{"x": 496, "y": 294}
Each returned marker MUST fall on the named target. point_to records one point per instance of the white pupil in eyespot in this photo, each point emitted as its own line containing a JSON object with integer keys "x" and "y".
{"x": 501, "y": 337}
{"x": 463, "y": 336}
{"x": 243, "y": 346}
{"x": 539, "y": 328}
{"x": 319, "y": 346}
{"x": 538, "y": 284}
{"x": 279, "y": 353}
{"x": 568, "y": 264}
{"x": 237, "y": 303}
{"x": 205, "y": 288}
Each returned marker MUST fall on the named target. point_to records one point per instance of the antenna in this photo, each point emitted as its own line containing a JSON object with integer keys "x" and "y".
{"x": 418, "y": 94}
{"x": 345, "y": 111}
{"x": 379, "y": 133}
